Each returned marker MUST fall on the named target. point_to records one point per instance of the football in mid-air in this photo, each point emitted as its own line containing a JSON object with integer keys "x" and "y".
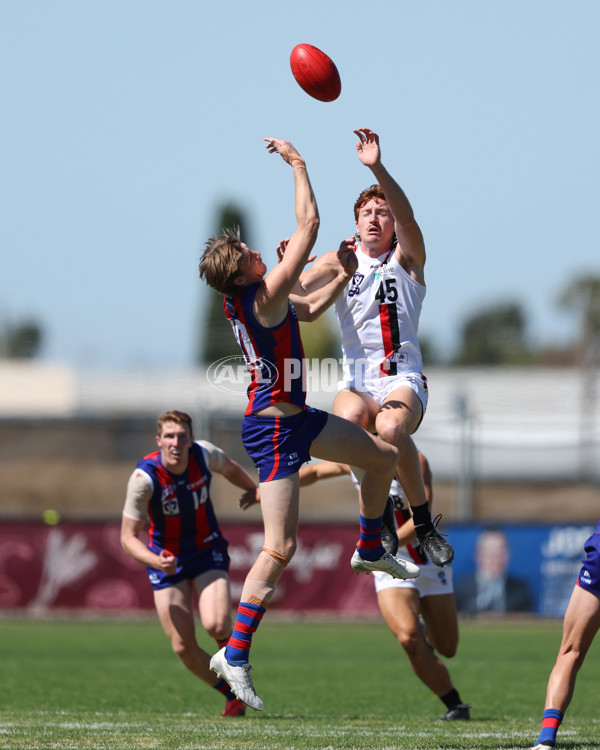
{"x": 315, "y": 72}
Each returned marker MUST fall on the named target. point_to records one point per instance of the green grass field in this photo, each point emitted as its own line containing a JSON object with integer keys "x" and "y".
{"x": 117, "y": 685}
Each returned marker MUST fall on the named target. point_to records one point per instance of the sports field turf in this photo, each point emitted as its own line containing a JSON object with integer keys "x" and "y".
{"x": 328, "y": 685}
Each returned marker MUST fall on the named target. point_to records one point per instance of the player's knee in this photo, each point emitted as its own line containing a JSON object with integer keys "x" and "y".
{"x": 393, "y": 433}
{"x": 572, "y": 656}
{"x": 353, "y": 412}
{"x": 219, "y": 630}
{"x": 409, "y": 641}
{"x": 182, "y": 650}
{"x": 284, "y": 552}
{"x": 289, "y": 549}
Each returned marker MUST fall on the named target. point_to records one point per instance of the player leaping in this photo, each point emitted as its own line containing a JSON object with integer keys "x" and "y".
{"x": 384, "y": 389}
{"x": 280, "y": 432}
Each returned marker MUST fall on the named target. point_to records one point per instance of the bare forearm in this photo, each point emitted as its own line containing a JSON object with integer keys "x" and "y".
{"x": 318, "y": 301}
{"x": 135, "y": 548}
{"x": 315, "y": 278}
{"x": 307, "y": 212}
{"x": 311, "y": 473}
{"x": 407, "y": 533}
{"x": 234, "y": 473}
{"x": 396, "y": 197}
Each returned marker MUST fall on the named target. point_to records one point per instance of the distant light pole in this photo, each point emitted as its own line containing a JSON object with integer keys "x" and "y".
{"x": 465, "y": 459}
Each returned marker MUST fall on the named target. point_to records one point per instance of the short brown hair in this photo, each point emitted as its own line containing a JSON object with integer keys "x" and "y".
{"x": 221, "y": 263}
{"x": 367, "y": 194}
{"x": 179, "y": 417}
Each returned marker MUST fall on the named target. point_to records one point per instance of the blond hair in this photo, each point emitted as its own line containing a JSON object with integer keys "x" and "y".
{"x": 221, "y": 262}
{"x": 179, "y": 417}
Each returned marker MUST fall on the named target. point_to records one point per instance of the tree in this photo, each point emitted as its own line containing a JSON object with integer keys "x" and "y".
{"x": 495, "y": 336}
{"x": 582, "y": 296}
{"x": 429, "y": 351}
{"x": 218, "y": 340}
{"x": 319, "y": 337}
{"x": 21, "y": 341}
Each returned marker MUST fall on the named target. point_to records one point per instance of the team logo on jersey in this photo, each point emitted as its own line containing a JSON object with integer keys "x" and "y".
{"x": 169, "y": 501}
{"x": 170, "y": 506}
{"x": 398, "y": 357}
{"x": 357, "y": 280}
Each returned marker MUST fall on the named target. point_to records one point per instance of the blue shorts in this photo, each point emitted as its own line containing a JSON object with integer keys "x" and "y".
{"x": 280, "y": 445}
{"x": 589, "y": 575}
{"x": 191, "y": 566}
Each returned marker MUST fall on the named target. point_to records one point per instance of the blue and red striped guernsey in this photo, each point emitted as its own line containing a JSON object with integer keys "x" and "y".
{"x": 182, "y": 517}
{"x": 274, "y": 356}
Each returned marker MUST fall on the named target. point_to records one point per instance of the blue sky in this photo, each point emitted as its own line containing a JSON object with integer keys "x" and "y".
{"x": 127, "y": 123}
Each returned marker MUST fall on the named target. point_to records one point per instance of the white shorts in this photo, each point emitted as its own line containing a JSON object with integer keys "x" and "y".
{"x": 380, "y": 388}
{"x": 433, "y": 581}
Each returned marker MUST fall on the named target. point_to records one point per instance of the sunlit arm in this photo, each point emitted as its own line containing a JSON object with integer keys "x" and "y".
{"x": 311, "y": 473}
{"x": 313, "y": 305}
{"x": 131, "y": 528}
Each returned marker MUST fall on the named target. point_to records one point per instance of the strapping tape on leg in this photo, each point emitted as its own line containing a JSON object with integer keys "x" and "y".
{"x": 257, "y": 592}
{"x": 276, "y": 556}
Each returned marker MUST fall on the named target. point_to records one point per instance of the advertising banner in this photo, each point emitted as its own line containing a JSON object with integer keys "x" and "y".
{"x": 81, "y": 566}
{"x": 76, "y": 566}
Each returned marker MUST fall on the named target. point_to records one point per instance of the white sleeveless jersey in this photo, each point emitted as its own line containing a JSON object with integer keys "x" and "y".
{"x": 379, "y": 314}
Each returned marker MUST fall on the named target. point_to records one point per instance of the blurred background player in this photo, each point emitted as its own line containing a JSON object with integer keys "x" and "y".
{"x": 420, "y": 612}
{"x": 383, "y": 388}
{"x": 580, "y": 625}
{"x": 279, "y": 430}
{"x": 186, "y": 549}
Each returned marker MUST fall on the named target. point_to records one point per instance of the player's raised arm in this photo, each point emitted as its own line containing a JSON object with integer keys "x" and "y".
{"x": 411, "y": 245}
{"x": 271, "y": 301}
{"x": 340, "y": 269}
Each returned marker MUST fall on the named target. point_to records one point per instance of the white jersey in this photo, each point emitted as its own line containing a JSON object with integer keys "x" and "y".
{"x": 379, "y": 317}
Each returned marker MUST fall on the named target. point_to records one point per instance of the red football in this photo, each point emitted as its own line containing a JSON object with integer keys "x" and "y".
{"x": 315, "y": 72}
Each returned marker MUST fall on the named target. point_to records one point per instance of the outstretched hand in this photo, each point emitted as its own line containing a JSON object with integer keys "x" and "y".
{"x": 367, "y": 147}
{"x": 285, "y": 149}
{"x": 347, "y": 256}
{"x": 281, "y": 251}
